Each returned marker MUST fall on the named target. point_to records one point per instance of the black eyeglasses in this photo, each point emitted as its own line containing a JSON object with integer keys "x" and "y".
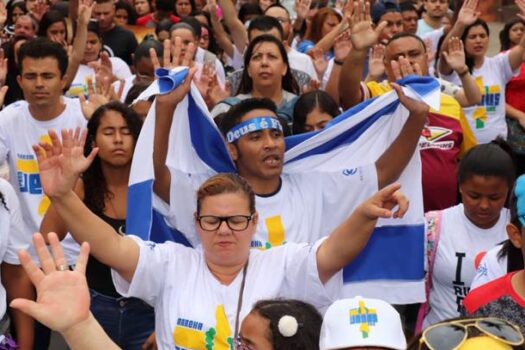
{"x": 234, "y": 222}
{"x": 450, "y": 335}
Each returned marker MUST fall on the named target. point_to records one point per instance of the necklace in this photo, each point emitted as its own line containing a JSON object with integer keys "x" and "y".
{"x": 239, "y": 300}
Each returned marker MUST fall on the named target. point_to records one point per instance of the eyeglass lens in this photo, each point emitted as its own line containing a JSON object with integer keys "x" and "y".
{"x": 212, "y": 223}
{"x": 445, "y": 337}
{"x": 500, "y": 329}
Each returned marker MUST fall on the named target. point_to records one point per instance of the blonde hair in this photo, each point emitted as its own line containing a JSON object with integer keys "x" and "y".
{"x": 225, "y": 183}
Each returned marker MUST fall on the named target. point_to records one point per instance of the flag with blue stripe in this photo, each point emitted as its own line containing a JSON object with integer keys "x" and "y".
{"x": 390, "y": 267}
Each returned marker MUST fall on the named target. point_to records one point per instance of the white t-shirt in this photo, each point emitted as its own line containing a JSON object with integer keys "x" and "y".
{"x": 302, "y": 62}
{"x": 237, "y": 61}
{"x": 423, "y": 28}
{"x": 13, "y": 235}
{"x": 460, "y": 244}
{"x": 79, "y": 85}
{"x": 487, "y": 120}
{"x": 193, "y": 309}
{"x": 305, "y": 208}
{"x": 490, "y": 268}
{"x": 19, "y": 131}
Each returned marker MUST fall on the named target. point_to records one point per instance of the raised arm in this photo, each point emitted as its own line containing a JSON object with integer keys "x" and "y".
{"x": 52, "y": 222}
{"x": 63, "y": 293}
{"x": 363, "y": 36}
{"x": 60, "y": 164}
{"x": 467, "y": 15}
{"x": 470, "y": 94}
{"x": 237, "y": 29}
{"x": 393, "y": 161}
{"x": 342, "y": 48}
{"x": 222, "y": 38}
{"x": 85, "y": 7}
{"x": 165, "y": 107}
{"x": 350, "y": 238}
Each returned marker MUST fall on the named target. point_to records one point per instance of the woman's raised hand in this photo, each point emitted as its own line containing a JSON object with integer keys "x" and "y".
{"x": 62, "y": 295}
{"x": 61, "y": 162}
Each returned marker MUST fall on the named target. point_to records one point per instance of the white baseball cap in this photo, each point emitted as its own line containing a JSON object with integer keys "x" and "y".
{"x": 360, "y": 322}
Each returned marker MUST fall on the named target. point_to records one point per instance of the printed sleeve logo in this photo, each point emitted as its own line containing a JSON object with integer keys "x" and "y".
{"x": 364, "y": 317}
{"x": 349, "y": 172}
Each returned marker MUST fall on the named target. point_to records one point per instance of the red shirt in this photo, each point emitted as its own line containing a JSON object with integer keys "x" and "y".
{"x": 150, "y": 21}
{"x": 514, "y": 90}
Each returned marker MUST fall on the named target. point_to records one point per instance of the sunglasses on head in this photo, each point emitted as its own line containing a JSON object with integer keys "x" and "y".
{"x": 451, "y": 335}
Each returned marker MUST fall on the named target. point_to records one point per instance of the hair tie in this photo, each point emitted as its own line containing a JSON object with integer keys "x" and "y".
{"x": 288, "y": 326}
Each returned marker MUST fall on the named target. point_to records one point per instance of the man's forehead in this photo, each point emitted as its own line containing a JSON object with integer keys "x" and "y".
{"x": 40, "y": 65}
{"x": 403, "y": 44}
{"x": 259, "y": 112}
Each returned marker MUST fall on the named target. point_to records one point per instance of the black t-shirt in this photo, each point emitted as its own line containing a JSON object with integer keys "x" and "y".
{"x": 120, "y": 42}
{"x": 98, "y": 275}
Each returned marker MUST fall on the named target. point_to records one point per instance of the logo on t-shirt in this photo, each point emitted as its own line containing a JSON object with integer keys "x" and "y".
{"x": 490, "y": 100}
{"x": 364, "y": 317}
{"x": 432, "y": 137}
{"x": 191, "y": 334}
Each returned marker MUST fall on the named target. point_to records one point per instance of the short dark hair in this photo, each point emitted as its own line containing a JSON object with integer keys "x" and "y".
{"x": 248, "y": 9}
{"x": 42, "y": 48}
{"x": 489, "y": 159}
{"x": 406, "y": 35}
{"x": 93, "y": 27}
{"x": 164, "y": 25}
{"x": 265, "y": 24}
{"x": 103, "y": 1}
{"x": 407, "y": 6}
{"x": 195, "y": 24}
{"x": 279, "y": 6}
{"x": 306, "y": 315}
{"x": 185, "y": 25}
{"x": 165, "y": 5}
{"x": 234, "y": 115}
{"x": 142, "y": 50}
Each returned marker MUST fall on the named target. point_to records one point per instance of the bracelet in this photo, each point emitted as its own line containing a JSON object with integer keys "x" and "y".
{"x": 339, "y": 63}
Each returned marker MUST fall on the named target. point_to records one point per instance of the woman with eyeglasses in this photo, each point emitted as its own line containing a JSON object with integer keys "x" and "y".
{"x": 202, "y": 295}
{"x": 113, "y": 129}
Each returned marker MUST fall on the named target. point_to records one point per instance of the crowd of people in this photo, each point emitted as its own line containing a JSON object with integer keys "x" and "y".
{"x": 255, "y": 256}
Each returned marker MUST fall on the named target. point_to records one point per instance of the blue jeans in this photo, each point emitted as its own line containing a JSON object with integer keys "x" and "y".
{"x": 127, "y": 321}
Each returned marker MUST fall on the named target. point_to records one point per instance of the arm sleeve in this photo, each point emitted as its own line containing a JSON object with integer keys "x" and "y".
{"x": 19, "y": 235}
{"x": 302, "y": 276}
{"x": 151, "y": 272}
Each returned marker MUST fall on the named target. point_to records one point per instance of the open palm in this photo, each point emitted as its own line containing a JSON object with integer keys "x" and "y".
{"x": 61, "y": 163}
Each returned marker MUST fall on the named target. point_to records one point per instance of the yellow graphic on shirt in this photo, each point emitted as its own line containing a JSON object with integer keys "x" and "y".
{"x": 490, "y": 100}
{"x": 190, "y": 334}
{"x": 29, "y": 176}
{"x": 276, "y": 233}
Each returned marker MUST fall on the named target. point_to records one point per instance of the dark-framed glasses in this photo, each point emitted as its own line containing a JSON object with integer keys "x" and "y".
{"x": 451, "y": 335}
{"x": 234, "y": 222}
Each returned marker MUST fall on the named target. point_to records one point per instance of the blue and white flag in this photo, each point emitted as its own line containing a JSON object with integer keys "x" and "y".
{"x": 391, "y": 265}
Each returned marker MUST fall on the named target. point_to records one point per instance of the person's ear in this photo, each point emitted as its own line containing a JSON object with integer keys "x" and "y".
{"x": 514, "y": 234}
{"x": 234, "y": 152}
{"x": 255, "y": 218}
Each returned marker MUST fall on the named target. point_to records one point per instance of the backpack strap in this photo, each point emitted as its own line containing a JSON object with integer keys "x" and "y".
{"x": 432, "y": 233}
